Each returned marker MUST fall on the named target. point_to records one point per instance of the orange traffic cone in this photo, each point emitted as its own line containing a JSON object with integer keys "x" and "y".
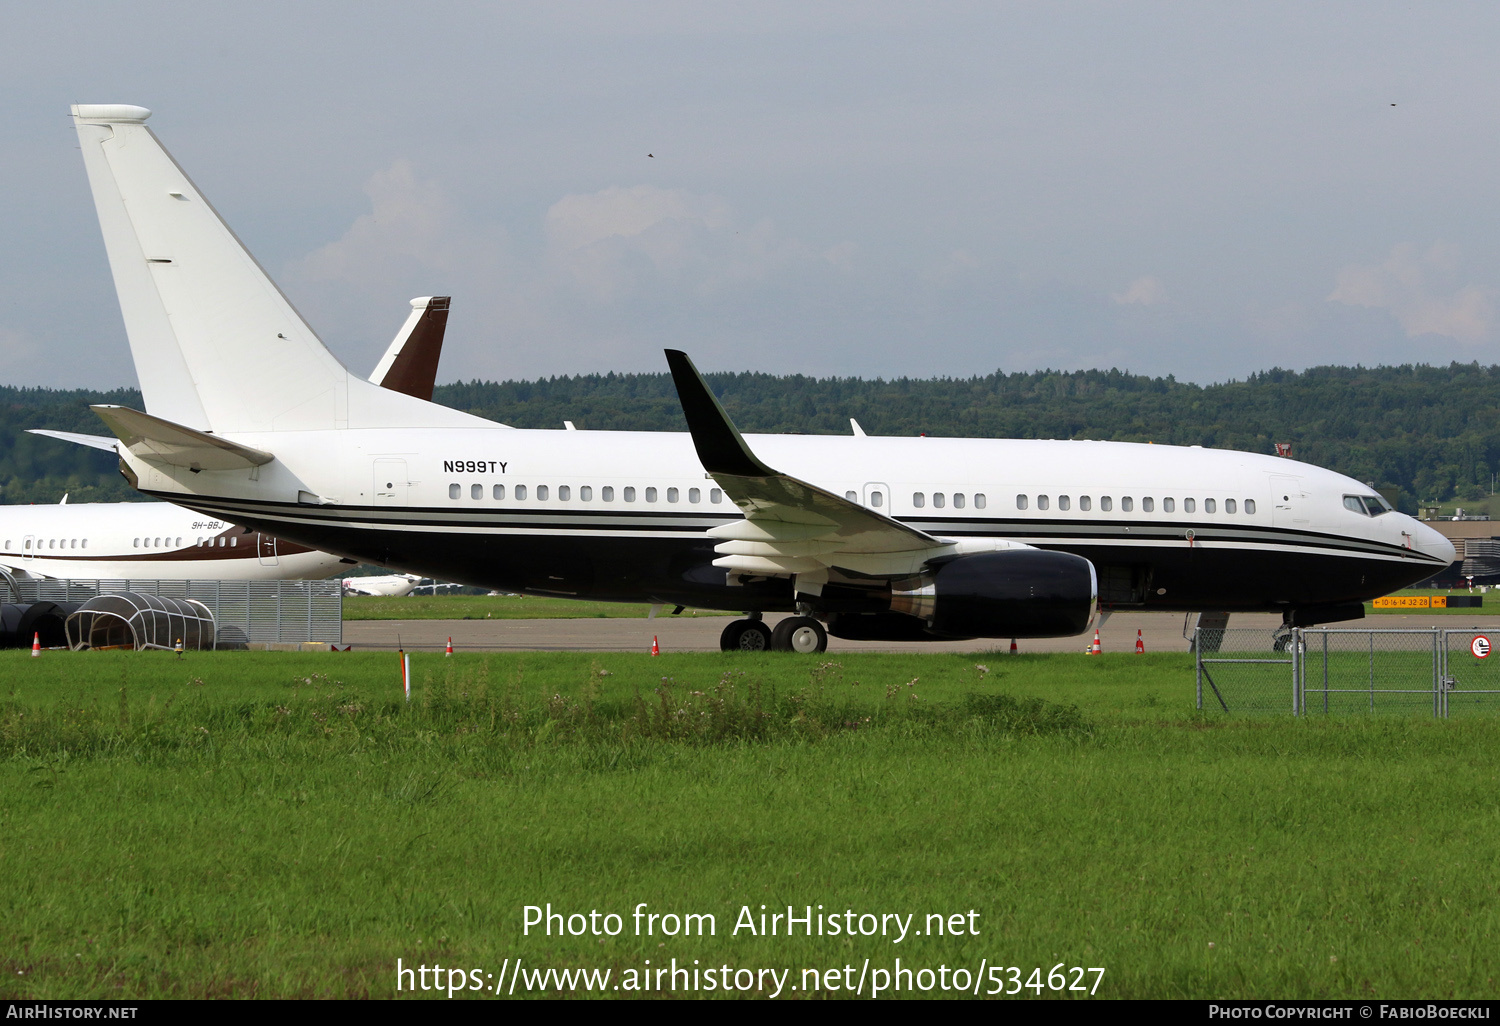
{"x": 1140, "y": 643}
{"x": 655, "y": 648}
{"x": 36, "y": 644}
{"x": 1094, "y": 648}
{"x": 1013, "y": 648}
{"x": 449, "y": 650}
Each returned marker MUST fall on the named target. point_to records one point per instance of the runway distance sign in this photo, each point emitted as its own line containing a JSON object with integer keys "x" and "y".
{"x": 1412, "y": 602}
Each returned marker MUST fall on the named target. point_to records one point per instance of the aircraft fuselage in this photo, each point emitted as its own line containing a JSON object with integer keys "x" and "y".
{"x": 621, "y": 515}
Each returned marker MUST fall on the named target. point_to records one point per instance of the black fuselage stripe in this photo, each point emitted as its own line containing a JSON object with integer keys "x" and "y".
{"x": 1044, "y": 533}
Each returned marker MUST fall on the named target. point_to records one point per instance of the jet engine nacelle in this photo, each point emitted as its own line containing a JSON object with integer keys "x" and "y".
{"x": 1016, "y": 593}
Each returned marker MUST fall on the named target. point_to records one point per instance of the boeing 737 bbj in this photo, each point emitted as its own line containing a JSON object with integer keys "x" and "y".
{"x": 903, "y": 538}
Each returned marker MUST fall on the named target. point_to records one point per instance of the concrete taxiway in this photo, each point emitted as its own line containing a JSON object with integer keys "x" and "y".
{"x": 1161, "y": 632}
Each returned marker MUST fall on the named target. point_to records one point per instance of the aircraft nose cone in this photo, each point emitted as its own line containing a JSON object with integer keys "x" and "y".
{"x": 1432, "y": 543}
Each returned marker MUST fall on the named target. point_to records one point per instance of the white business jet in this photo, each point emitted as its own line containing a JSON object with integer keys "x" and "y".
{"x": 383, "y": 585}
{"x": 904, "y": 538}
{"x": 162, "y": 541}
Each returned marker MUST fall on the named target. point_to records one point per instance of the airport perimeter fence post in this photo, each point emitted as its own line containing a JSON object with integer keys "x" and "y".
{"x": 1439, "y": 649}
{"x": 1325, "y": 673}
{"x": 1298, "y": 667}
{"x": 1198, "y": 665}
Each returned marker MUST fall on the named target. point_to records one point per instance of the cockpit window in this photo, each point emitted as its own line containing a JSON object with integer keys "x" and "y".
{"x": 1368, "y": 505}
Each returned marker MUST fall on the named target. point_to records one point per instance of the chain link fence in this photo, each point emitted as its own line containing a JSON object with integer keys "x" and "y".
{"x": 1471, "y": 673}
{"x": 1370, "y": 671}
{"x": 244, "y": 611}
{"x": 1336, "y": 671}
{"x": 1243, "y": 670}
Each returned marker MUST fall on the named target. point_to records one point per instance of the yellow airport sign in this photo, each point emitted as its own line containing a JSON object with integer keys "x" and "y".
{"x": 1412, "y": 602}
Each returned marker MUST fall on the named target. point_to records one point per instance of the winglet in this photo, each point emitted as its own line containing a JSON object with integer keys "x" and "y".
{"x": 721, "y": 450}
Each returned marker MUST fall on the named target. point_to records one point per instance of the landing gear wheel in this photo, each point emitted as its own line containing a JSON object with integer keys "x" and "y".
{"x": 745, "y": 636}
{"x": 799, "y": 634}
{"x": 1281, "y": 639}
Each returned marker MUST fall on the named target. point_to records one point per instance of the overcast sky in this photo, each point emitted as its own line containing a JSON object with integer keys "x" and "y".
{"x": 855, "y": 189}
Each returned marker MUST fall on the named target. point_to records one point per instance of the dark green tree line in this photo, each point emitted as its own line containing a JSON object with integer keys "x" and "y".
{"x": 1432, "y": 432}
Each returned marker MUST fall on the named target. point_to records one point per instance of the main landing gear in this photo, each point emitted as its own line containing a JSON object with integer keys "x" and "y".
{"x": 794, "y": 634}
{"x": 746, "y": 636}
{"x": 799, "y": 634}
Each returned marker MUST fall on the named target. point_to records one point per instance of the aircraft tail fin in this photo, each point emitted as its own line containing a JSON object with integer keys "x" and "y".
{"x": 217, "y": 346}
{"x": 410, "y": 364}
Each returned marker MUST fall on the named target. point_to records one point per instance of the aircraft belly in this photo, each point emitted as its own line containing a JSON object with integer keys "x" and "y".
{"x": 635, "y": 567}
{"x": 1188, "y": 579}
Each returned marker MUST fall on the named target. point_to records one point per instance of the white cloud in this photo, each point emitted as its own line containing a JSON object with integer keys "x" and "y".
{"x": 1144, "y": 291}
{"x": 1416, "y": 288}
{"x": 408, "y": 222}
{"x": 18, "y": 353}
{"x": 410, "y": 244}
{"x": 955, "y": 269}
{"x": 624, "y": 241}
{"x": 577, "y": 221}
{"x": 618, "y": 271}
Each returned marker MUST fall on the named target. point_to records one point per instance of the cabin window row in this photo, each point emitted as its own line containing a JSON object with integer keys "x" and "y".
{"x": 1127, "y": 504}
{"x": 51, "y": 543}
{"x": 156, "y": 543}
{"x": 209, "y": 542}
{"x": 940, "y": 499}
{"x": 543, "y": 493}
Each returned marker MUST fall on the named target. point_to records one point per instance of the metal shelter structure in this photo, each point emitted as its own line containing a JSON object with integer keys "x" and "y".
{"x": 131, "y": 620}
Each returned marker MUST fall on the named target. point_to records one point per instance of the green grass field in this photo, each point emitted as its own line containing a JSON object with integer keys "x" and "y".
{"x": 265, "y": 824}
{"x": 487, "y": 607}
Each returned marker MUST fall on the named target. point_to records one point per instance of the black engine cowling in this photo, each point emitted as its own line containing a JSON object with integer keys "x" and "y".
{"x": 881, "y": 627}
{"x": 1017, "y": 593}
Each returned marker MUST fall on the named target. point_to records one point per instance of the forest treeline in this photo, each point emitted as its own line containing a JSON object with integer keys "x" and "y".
{"x": 1432, "y": 432}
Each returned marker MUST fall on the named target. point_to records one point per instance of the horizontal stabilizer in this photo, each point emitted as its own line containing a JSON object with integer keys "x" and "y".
{"x": 105, "y": 442}
{"x": 161, "y": 441}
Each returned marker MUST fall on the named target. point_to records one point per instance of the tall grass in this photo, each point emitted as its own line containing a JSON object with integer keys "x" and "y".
{"x": 285, "y": 825}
